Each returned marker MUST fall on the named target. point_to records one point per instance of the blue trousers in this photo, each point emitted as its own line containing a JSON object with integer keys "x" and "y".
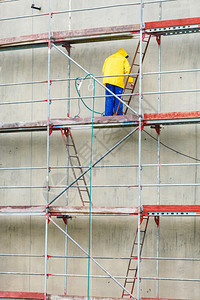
{"x": 111, "y": 102}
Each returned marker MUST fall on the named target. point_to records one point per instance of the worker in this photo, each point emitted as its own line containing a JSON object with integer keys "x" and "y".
{"x": 116, "y": 64}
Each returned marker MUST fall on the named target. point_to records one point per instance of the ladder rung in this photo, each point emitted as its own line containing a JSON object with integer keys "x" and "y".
{"x": 132, "y": 269}
{"x": 73, "y": 156}
{"x": 130, "y": 282}
{"x": 135, "y": 65}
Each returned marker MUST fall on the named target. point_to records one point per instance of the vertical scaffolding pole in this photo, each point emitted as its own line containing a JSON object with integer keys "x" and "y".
{"x": 139, "y": 147}
{"x": 48, "y": 141}
{"x": 158, "y": 153}
{"x": 67, "y": 173}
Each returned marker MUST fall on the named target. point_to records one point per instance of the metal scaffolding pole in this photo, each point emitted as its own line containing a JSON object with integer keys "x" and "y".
{"x": 158, "y": 150}
{"x": 67, "y": 170}
{"x": 47, "y": 153}
{"x": 139, "y": 149}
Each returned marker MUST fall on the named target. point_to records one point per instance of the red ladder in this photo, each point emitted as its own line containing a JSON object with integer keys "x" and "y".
{"x": 129, "y": 283}
{"x": 135, "y": 65}
{"x": 76, "y": 166}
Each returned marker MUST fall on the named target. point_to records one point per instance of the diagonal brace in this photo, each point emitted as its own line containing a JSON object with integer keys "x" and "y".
{"x": 93, "y": 165}
{"x": 94, "y": 260}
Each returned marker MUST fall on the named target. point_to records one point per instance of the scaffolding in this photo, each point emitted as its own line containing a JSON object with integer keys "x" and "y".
{"x": 135, "y": 122}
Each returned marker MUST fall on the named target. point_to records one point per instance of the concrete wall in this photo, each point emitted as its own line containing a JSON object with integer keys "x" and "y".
{"x": 179, "y": 237}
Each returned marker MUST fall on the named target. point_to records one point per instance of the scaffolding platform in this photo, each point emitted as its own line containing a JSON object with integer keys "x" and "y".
{"x": 32, "y": 295}
{"x": 168, "y": 118}
{"x": 150, "y": 210}
{"x": 167, "y": 27}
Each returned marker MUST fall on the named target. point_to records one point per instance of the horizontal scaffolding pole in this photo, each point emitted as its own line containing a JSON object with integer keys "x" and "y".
{"x": 97, "y": 97}
{"x": 99, "y": 77}
{"x": 102, "y": 257}
{"x": 146, "y": 185}
{"x": 102, "y": 166}
{"x": 114, "y": 277}
{"x": 83, "y": 9}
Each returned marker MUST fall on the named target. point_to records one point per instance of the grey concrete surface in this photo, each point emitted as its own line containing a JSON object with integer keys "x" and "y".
{"x": 179, "y": 237}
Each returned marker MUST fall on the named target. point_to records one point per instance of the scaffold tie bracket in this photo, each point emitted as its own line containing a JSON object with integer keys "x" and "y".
{"x": 158, "y": 40}
{"x": 50, "y": 130}
{"x": 67, "y": 46}
{"x": 157, "y": 220}
{"x": 141, "y": 219}
{"x": 66, "y": 218}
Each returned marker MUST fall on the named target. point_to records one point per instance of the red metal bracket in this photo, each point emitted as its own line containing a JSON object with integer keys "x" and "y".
{"x": 141, "y": 219}
{"x": 157, "y": 128}
{"x": 143, "y": 35}
{"x": 157, "y": 220}
{"x": 158, "y": 40}
{"x": 47, "y": 217}
{"x": 142, "y": 125}
{"x": 65, "y": 218}
{"x": 67, "y": 46}
{"x": 50, "y": 130}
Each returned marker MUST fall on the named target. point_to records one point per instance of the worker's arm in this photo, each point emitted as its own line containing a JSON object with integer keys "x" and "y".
{"x": 127, "y": 70}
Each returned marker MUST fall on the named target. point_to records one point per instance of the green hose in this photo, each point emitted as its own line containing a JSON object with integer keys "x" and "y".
{"x": 90, "y": 207}
{"x": 79, "y": 78}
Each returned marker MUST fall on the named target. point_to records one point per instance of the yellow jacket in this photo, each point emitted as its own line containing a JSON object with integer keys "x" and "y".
{"x": 116, "y": 64}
